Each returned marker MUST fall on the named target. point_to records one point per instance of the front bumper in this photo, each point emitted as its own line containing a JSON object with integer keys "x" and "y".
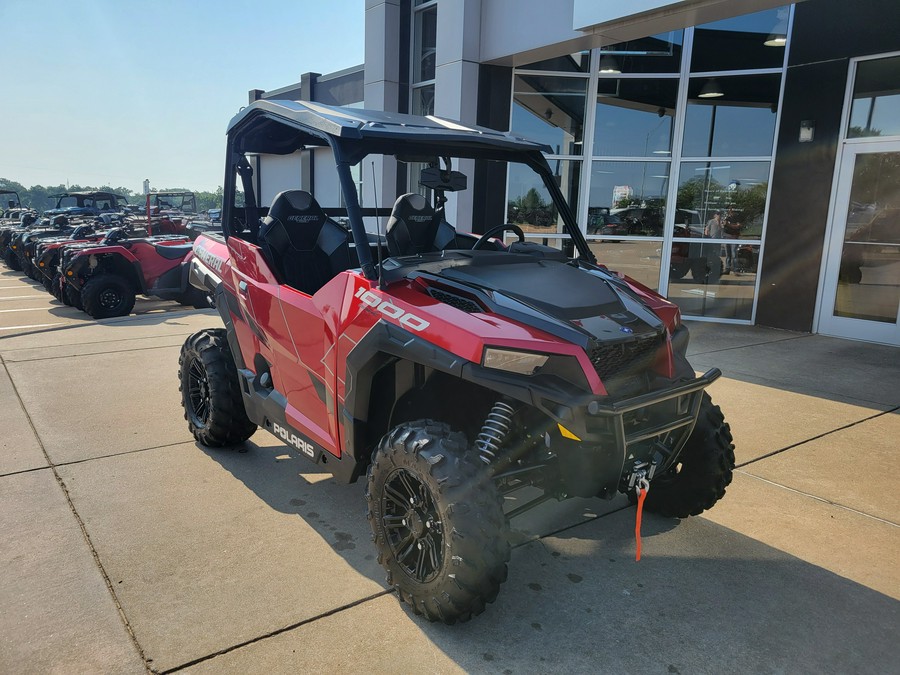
{"x": 616, "y": 442}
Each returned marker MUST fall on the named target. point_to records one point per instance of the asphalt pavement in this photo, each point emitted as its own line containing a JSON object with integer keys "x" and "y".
{"x": 126, "y": 547}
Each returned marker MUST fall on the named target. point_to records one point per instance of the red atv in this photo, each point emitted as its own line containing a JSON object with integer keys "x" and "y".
{"x": 103, "y": 278}
{"x": 451, "y": 370}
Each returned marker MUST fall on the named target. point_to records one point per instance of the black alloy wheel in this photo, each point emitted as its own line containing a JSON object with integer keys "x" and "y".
{"x": 197, "y": 393}
{"x": 413, "y": 525}
{"x": 210, "y": 391}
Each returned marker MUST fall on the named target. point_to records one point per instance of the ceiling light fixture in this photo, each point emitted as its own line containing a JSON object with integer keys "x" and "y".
{"x": 609, "y": 65}
{"x": 711, "y": 89}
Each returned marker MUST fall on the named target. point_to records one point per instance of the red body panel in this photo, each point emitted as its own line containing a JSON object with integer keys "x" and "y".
{"x": 308, "y": 338}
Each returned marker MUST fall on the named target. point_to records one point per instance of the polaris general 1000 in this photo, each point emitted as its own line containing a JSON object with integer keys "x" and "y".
{"x": 458, "y": 374}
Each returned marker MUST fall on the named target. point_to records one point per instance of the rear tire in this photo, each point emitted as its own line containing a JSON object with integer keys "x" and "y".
{"x": 107, "y": 295}
{"x": 210, "y": 391}
{"x": 702, "y": 472}
{"x": 437, "y": 520}
{"x": 194, "y": 297}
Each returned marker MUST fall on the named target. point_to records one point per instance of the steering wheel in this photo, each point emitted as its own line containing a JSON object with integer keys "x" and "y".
{"x": 498, "y": 229}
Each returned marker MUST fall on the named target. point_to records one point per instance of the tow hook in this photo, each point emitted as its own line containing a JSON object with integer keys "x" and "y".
{"x": 641, "y": 473}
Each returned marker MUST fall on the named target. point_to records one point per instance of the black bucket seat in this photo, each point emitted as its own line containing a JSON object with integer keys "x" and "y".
{"x": 304, "y": 247}
{"x": 415, "y": 227}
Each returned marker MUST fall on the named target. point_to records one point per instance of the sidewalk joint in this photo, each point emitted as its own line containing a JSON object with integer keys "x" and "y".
{"x": 78, "y": 519}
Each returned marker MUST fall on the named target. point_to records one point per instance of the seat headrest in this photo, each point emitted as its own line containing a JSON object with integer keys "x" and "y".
{"x": 413, "y": 226}
{"x": 300, "y": 215}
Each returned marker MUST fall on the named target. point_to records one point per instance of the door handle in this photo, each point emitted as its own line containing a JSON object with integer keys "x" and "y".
{"x": 242, "y": 288}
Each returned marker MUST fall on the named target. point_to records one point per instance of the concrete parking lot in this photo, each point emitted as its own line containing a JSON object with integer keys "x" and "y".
{"x": 126, "y": 547}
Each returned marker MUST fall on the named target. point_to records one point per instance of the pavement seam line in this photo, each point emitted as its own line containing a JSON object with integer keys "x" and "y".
{"x": 817, "y": 437}
{"x": 104, "y": 322}
{"x": 81, "y": 525}
{"x": 84, "y": 344}
{"x": 115, "y": 351}
{"x": 754, "y": 344}
{"x": 276, "y": 632}
{"x": 819, "y": 499}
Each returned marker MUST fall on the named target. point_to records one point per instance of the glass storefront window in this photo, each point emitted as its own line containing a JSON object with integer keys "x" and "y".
{"x": 655, "y": 54}
{"x": 701, "y": 285}
{"x": 635, "y": 117}
{"x": 752, "y": 41}
{"x": 734, "y": 190}
{"x": 876, "y": 99}
{"x": 636, "y": 259}
{"x": 580, "y": 62}
{"x": 550, "y": 110}
{"x": 628, "y": 198}
{"x": 425, "y": 44}
{"x": 528, "y": 202}
{"x": 731, "y": 116}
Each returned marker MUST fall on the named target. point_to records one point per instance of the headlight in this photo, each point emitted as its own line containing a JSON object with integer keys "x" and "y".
{"x": 524, "y": 363}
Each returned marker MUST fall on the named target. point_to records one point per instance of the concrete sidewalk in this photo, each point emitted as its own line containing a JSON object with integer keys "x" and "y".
{"x": 127, "y": 548}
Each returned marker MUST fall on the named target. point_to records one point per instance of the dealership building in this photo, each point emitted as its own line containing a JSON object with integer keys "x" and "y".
{"x": 741, "y": 157}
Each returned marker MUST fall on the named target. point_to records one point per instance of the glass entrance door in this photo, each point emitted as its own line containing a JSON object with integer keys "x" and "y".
{"x": 861, "y": 292}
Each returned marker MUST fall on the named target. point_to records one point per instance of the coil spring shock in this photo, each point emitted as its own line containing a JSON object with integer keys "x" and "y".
{"x": 496, "y": 427}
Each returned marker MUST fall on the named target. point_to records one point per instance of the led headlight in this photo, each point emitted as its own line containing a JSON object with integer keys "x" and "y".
{"x": 524, "y": 363}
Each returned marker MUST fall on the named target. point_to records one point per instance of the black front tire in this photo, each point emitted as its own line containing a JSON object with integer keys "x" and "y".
{"x": 210, "y": 391}
{"x": 72, "y": 297}
{"x": 12, "y": 260}
{"x": 702, "y": 472}
{"x": 437, "y": 520}
{"x": 56, "y": 288}
{"x": 107, "y": 295}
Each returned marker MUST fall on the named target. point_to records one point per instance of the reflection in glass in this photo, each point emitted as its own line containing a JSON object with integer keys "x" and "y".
{"x": 628, "y": 198}
{"x": 655, "y": 54}
{"x": 425, "y": 45}
{"x": 735, "y": 190}
{"x": 869, "y": 281}
{"x": 876, "y": 99}
{"x": 550, "y": 110}
{"x": 700, "y": 284}
{"x": 636, "y": 259}
{"x": 739, "y": 123}
{"x": 423, "y": 100}
{"x": 635, "y": 117}
{"x": 567, "y": 63}
{"x": 741, "y": 43}
{"x": 528, "y": 201}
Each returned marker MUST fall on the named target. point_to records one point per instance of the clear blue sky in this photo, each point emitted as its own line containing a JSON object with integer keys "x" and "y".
{"x": 114, "y": 91}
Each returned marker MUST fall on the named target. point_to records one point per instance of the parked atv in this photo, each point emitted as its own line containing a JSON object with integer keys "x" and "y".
{"x": 23, "y": 241}
{"x": 104, "y": 277}
{"x": 7, "y": 232}
{"x": 47, "y": 253}
{"x": 451, "y": 370}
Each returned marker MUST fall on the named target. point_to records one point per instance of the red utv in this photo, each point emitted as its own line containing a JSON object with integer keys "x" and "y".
{"x": 104, "y": 277}
{"x": 448, "y": 370}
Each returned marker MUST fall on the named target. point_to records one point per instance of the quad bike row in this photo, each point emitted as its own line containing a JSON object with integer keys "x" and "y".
{"x": 100, "y": 264}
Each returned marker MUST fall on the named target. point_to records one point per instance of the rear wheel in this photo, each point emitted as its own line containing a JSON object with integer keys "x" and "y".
{"x": 107, "y": 295}
{"x": 703, "y": 471}
{"x": 195, "y": 297}
{"x": 210, "y": 391}
{"x": 438, "y": 522}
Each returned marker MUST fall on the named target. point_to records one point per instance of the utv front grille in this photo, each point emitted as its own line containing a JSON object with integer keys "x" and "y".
{"x": 625, "y": 359}
{"x": 454, "y": 300}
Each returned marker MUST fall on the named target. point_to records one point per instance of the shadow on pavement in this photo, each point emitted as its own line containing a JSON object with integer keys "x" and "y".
{"x": 703, "y": 599}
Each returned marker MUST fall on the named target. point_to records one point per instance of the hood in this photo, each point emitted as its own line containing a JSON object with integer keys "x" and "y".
{"x": 580, "y": 305}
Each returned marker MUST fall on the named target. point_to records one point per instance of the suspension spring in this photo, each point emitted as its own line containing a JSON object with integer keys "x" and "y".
{"x": 494, "y": 431}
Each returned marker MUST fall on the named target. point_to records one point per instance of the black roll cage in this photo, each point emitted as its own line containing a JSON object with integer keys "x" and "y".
{"x": 283, "y": 127}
